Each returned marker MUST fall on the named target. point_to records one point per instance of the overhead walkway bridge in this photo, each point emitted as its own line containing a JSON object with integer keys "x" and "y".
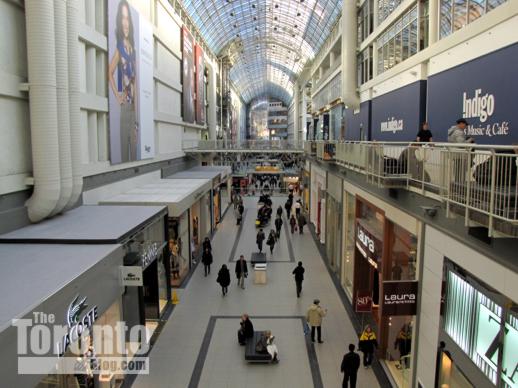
{"x": 248, "y": 146}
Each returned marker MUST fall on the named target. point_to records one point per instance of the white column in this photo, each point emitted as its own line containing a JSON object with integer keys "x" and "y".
{"x": 433, "y": 22}
{"x": 349, "y": 41}
{"x": 296, "y": 113}
{"x": 332, "y": 58}
{"x": 211, "y": 95}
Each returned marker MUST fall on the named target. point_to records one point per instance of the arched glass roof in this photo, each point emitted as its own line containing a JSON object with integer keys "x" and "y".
{"x": 268, "y": 41}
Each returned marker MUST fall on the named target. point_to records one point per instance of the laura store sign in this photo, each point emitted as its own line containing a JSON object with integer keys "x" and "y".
{"x": 484, "y": 91}
{"x": 399, "y": 298}
{"x": 368, "y": 245}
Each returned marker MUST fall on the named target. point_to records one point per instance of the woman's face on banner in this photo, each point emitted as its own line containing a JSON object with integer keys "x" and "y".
{"x": 125, "y": 21}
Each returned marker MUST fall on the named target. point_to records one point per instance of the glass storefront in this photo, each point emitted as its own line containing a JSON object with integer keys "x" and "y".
{"x": 349, "y": 219}
{"x": 178, "y": 249}
{"x": 333, "y": 233}
{"x": 384, "y": 264}
{"x": 484, "y": 324}
{"x": 98, "y": 342}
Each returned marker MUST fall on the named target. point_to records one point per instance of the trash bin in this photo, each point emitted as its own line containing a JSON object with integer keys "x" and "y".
{"x": 260, "y": 273}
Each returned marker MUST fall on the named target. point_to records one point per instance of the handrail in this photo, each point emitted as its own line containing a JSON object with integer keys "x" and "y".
{"x": 479, "y": 179}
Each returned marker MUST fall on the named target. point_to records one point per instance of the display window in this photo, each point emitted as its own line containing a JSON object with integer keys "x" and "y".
{"x": 484, "y": 324}
{"x": 349, "y": 239}
{"x": 100, "y": 341}
{"x": 385, "y": 271}
{"x": 178, "y": 249}
{"x": 450, "y": 376}
{"x": 333, "y": 233}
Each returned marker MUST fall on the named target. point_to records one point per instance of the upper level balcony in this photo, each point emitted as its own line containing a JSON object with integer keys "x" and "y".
{"x": 253, "y": 146}
{"x": 476, "y": 181}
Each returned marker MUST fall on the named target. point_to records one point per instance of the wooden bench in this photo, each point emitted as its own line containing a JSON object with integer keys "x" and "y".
{"x": 250, "y": 354}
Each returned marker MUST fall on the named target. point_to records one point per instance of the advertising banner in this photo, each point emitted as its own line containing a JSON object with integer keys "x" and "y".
{"x": 363, "y": 301}
{"x": 483, "y": 91}
{"x": 396, "y": 116}
{"x": 200, "y": 85}
{"x": 399, "y": 298}
{"x": 357, "y": 125}
{"x": 130, "y": 77}
{"x": 188, "y": 76}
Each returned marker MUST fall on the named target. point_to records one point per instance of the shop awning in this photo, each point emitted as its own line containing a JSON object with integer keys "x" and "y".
{"x": 31, "y": 273}
{"x": 88, "y": 225}
{"x": 204, "y": 172}
{"x": 177, "y": 194}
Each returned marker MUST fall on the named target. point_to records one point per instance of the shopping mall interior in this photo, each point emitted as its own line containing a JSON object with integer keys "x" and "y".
{"x": 249, "y": 193}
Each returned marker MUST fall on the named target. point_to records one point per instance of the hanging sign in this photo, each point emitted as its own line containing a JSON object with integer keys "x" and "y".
{"x": 399, "y": 298}
{"x": 131, "y": 276}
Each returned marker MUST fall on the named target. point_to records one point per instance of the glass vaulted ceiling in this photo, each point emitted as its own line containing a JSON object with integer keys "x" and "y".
{"x": 268, "y": 41}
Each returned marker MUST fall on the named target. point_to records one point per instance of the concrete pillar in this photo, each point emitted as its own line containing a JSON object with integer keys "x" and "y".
{"x": 349, "y": 42}
{"x": 211, "y": 96}
{"x": 320, "y": 72}
{"x": 296, "y": 113}
{"x": 332, "y": 58}
{"x": 433, "y": 21}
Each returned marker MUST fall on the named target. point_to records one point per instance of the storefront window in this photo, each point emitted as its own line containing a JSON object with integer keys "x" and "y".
{"x": 333, "y": 237}
{"x": 403, "y": 253}
{"x": 178, "y": 249}
{"x": 349, "y": 239}
{"x": 455, "y": 14}
{"x": 450, "y": 376}
{"x": 475, "y": 318}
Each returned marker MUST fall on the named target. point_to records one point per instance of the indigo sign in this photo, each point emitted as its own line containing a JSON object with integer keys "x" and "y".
{"x": 484, "y": 91}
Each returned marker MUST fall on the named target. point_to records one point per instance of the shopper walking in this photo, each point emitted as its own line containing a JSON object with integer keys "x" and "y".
{"x": 301, "y": 220}
{"x": 293, "y": 223}
{"x": 297, "y": 207}
{"x": 368, "y": 343}
{"x": 241, "y": 271}
{"x": 259, "y": 240}
{"x": 314, "y": 317}
{"x": 278, "y": 226}
{"x": 287, "y": 206}
{"x": 206, "y": 259}
{"x": 206, "y": 244}
{"x": 224, "y": 279}
{"x": 271, "y": 241}
{"x": 299, "y": 277}
{"x": 349, "y": 367}
{"x": 279, "y": 211}
{"x": 404, "y": 344}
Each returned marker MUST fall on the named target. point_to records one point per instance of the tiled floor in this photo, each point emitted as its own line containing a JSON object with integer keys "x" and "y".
{"x": 175, "y": 355}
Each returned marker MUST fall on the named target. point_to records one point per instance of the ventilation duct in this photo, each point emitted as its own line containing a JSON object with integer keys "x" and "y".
{"x": 41, "y": 57}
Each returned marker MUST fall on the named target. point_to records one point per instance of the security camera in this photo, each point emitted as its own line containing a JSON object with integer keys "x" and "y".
{"x": 430, "y": 211}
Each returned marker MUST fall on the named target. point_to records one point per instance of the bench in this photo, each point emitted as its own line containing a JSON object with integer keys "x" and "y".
{"x": 250, "y": 354}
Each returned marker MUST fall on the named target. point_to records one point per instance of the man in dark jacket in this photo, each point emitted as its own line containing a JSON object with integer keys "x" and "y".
{"x": 299, "y": 277}
{"x": 278, "y": 225}
{"x": 259, "y": 240}
{"x": 206, "y": 245}
{"x": 301, "y": 220}
{"x": 279, "y": 211}
{"x": 241, "y": 271}
{"x": 349, "y": 368}
{"x": 206, "y": 259}
{"x": 246, "y": 329}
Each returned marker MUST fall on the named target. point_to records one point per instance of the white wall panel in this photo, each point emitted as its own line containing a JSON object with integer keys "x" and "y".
{"x": 15, "y": 157}
{"x": 168, "y": 100}
{"x": 168, "y": 30}
{"x": 169, "y": 138}
{"x": 167, "y": 63}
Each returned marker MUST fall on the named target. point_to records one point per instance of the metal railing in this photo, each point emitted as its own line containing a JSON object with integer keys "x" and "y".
{"x": 223, "y": 145}
{"x": 477, "y": 181}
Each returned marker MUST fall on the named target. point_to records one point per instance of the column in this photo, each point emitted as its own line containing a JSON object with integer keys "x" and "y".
{"x": 349, "y": 59}
{"x": 332, "y": 58}
{"x": 433, "y": 21}
{"x": 295, "y": 114}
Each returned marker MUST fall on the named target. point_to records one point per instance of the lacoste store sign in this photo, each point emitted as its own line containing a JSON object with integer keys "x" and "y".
{"x": 399, "y": 298}
{"x": 131, "y": 276}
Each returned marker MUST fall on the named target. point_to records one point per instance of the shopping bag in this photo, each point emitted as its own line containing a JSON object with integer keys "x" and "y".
{"x": 306, "y": 328}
